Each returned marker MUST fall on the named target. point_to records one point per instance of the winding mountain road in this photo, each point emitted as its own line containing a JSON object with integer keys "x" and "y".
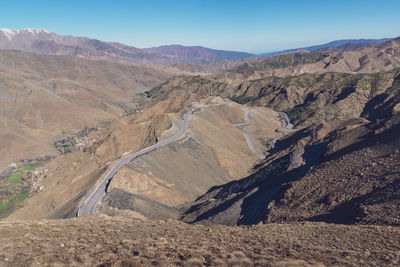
{"x": 94, "y": 199}
{"x": 249, "y": 142}
{"x": 91, "y": 203}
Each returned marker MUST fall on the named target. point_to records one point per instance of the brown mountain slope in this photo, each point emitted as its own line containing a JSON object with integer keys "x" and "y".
{"x": 71, "y": 176}
{"x": 372, "y": 58}
{"x": 42, "y": 97}
{"x": 115, "y": 241}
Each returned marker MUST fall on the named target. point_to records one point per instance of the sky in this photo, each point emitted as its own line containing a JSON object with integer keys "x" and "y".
{"x": 250, "y": 25}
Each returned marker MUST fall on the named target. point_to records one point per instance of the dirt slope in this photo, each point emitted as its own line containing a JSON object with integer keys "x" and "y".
{"x": 44, "y": 97}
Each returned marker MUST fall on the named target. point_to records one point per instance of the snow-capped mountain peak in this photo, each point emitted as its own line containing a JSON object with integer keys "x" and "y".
{"x": 35, "y": 31}
{"x": 10, "y": 34}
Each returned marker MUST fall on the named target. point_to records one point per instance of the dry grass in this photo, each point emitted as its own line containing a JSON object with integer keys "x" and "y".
{"x": 178, "y": 244}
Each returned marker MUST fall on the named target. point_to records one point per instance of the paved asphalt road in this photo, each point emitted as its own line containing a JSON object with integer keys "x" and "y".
{"x": 287, "y": 126}
{"x": 89, "y": 206}
{"x": 246, "y": 115}
{"x": 251, "y": 145}
{"x": 249, "y": 142}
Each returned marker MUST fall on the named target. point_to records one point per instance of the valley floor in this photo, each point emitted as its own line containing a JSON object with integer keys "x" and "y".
{"x": 117, "y": 241}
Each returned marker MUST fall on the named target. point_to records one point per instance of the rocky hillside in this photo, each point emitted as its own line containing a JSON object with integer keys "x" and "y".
{"x": 115, "y": 241}
{"x": 357, "y": 180}
{"x": 307, "y": 98}
{"x": 45, "y": 42}
{"x": 341, "y": 171}
{"x": 312, "y": 98}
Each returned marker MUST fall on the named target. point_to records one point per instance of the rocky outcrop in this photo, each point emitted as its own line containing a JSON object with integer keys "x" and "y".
{"x": 35, "y": 179}
{"x": 7, "y": 172}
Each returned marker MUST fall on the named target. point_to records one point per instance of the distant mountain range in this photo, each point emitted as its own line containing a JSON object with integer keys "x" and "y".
{"x": 334, "y": 46}
{"x": 44, "y": 42}
{"x": 41, "y": 41}
{"x": 207, "y": 54}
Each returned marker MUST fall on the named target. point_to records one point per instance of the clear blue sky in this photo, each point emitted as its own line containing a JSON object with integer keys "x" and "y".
{"x": 247, "y": 25}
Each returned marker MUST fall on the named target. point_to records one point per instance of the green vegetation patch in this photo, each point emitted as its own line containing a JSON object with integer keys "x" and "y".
{"x": 293, "y": 59}
{"x": 198, "y": 79}
{"x": 27, "y": 167}
{"x": 6, "y": 203}
{"x": 9, "y": 203}
{"x": 14, "y": 178}
{"x": 23, "y": 196}
{"x": 30, "y": 166}
{"x": 299, "y": 113}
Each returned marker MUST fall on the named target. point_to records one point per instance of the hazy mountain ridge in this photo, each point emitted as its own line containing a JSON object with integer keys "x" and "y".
{"x": 45, "y": 42}
{"x": 206, "y": 54}
{"x": 338, "y": 45}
